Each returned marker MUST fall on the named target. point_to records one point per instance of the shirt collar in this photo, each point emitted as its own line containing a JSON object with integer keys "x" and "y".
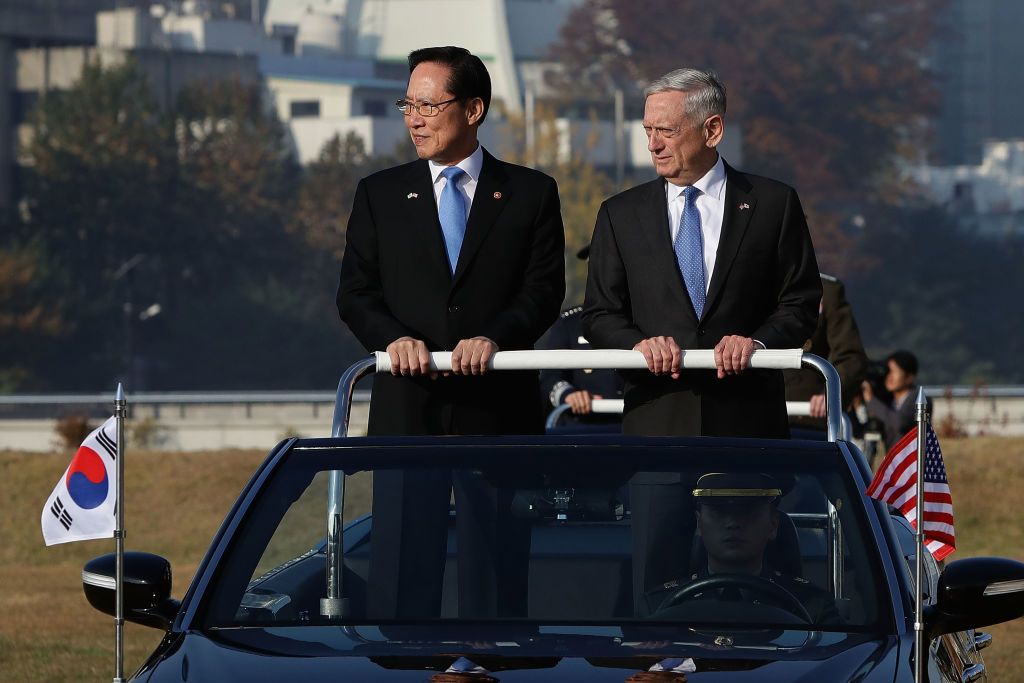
{"x": 711, "y": 183}
{"x": 471, "y": 165}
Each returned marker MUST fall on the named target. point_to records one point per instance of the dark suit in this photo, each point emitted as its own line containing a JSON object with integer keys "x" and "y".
{"x": 508, "y": 286}
{"x": 837, "y": 340}
{"x": 764, "y": 285}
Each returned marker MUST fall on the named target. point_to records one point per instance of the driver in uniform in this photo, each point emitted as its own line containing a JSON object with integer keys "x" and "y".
{"x": 737, "y": 517}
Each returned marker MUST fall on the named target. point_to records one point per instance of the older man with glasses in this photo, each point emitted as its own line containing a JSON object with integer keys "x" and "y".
{"x": 458, "y": 252}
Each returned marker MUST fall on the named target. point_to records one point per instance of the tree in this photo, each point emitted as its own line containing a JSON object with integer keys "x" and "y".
{"x": 581, "y": 185}
{"x": 830, "y": 96}
{"x": 167, "y": 228}
{"x": 99, "y": 173}
{"x": 29, "y": 322}
{"x": 948, "y": 311}
{"x": 236, "y": 172}
{"x": 326, "y": 194}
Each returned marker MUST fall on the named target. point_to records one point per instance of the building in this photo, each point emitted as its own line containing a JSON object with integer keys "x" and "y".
{"x": 34, "y": 23}
{"x": 333, "y": 67}
{"x": 982, "y": 85}
{"x": 985, "y": 198}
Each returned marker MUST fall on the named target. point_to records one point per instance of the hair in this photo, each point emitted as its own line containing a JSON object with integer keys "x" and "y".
{"x": 906, "y": 361}
{"x": 705, "y": 93}
{"x": 468, "y": 77}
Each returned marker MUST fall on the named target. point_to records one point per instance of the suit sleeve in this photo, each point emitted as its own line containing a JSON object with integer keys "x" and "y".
{"x": 846, "y": 352}
{"x": 539, "y": 300}
{"x": 361, "y": 302}
{"x": 607, "y": 313}
{"x": 794, "y": 318}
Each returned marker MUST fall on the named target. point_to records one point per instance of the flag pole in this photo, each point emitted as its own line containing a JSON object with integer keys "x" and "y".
{"x": 119, "y": 414}
{"x": 919, "y": 644}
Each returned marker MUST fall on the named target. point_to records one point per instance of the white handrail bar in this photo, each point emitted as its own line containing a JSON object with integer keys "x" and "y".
{"x": 615, "y": 406}
{"x": 608, "y": 359}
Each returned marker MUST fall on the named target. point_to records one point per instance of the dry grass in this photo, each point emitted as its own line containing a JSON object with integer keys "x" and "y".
{"x": 177, "y": 501}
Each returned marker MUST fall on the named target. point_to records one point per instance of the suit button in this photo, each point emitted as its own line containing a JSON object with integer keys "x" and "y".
{"x": 700, "y": 332}
{"x": 453, "y": 309}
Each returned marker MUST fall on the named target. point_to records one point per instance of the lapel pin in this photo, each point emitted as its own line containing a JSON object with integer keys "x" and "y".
{"x": 497, "y": 195}
{"x": 412, "y": 195}
{"x": 744, "y": 206}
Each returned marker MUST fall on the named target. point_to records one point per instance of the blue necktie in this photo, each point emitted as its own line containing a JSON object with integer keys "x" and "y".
{"x": 452, "y": 213}
{"x": 689, "y": 248}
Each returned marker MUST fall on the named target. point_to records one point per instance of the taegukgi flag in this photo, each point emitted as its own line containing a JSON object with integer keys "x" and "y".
{"x": 83, "y": 504}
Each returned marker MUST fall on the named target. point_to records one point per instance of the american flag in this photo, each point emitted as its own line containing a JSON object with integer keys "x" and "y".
{"x": 895, "y": 483}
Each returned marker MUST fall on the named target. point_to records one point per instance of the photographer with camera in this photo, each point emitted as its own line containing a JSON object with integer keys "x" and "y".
{"x": 897, "y": 415}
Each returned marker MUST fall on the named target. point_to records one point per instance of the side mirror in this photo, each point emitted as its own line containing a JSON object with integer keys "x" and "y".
{"x": 147, "y": 588}
{"x": 976, "y": 592}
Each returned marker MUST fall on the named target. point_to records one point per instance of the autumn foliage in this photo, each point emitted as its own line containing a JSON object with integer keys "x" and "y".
{"x": 829, "y": 96}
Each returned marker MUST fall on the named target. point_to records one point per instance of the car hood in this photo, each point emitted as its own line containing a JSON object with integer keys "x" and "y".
{"x": 258, "y": 655}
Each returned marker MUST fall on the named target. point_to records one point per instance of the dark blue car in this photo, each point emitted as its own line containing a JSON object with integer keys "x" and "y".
{"x": 281, "y": 595}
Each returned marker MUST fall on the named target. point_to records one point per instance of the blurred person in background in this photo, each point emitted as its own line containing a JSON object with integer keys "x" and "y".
{"x": 837, "y": 340}
{"x": 899, "y": 415}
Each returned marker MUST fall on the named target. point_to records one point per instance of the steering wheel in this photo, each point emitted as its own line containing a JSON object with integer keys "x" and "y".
{"x": 772, "y": 592}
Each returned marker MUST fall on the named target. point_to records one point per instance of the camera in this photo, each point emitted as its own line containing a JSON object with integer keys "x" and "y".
{"x": 875, "y": 376}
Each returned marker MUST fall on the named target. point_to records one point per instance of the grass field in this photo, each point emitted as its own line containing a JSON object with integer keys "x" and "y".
{"x": 175, "y": 502}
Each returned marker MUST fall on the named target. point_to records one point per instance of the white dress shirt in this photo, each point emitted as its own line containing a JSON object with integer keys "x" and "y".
{"x": 711, "y": 207}
{"x": 466, "y": 184}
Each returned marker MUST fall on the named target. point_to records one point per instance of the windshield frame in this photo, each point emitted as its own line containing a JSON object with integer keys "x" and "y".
{"x": 357, "y": 454}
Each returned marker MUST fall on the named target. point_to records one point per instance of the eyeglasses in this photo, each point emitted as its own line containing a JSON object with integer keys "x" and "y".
{"x": 423, "y": 108}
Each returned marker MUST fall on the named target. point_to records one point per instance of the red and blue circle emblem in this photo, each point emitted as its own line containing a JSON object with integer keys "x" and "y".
{"x": 87, "y": 479}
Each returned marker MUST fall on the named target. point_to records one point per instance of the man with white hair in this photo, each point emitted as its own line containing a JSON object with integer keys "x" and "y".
{"x": 703, "y": 257}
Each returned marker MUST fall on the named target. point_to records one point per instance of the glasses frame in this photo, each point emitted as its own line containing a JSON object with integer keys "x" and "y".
{"x": 407, "y": 107}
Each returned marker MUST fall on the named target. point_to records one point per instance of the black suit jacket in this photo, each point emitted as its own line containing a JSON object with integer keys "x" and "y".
{"x": 508, "y": 285}
{"x": 765, "y": 285}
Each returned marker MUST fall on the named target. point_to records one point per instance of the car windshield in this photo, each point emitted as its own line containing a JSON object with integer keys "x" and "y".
{"x": 812, "y": 561}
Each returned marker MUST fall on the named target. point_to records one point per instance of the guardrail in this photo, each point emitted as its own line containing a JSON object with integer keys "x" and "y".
{"x": 190, "y": 421}
{"x": 297, "y": 397}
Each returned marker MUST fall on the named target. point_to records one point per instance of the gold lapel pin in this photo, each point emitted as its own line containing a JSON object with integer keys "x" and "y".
{"x": 497, "y": 195}
{"x": 412, "y": 195}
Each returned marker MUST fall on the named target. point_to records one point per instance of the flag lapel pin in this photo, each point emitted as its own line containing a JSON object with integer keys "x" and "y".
{"x": 744, "y": 206}
{"x": 412, "y": 195}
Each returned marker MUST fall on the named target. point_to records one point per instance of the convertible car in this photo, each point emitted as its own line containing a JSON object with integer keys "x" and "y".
{"x": 282, "y": 591}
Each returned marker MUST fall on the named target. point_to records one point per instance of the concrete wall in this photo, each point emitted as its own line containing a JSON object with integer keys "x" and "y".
{"x": 198, "y": 427}
{"x": 260, "y": 426}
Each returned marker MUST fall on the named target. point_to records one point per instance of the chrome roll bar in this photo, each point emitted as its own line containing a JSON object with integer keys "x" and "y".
{"x": 700, "y": 359}
{"x": 334, "y": 605}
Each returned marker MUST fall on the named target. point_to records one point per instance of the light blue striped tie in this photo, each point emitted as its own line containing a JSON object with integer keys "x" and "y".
{"x": 689, "y": 248}
{"x": 452, "y": 212}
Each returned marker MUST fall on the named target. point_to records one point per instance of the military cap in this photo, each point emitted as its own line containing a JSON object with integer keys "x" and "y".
{"x": 732, "y": 488}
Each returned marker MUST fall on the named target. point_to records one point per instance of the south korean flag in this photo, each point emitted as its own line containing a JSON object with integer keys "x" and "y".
{"x": 83, "y": 503}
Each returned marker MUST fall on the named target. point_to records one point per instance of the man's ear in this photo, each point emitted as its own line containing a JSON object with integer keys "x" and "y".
{"x": 474, "y": 110}
{"x": 714, "y": 129}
